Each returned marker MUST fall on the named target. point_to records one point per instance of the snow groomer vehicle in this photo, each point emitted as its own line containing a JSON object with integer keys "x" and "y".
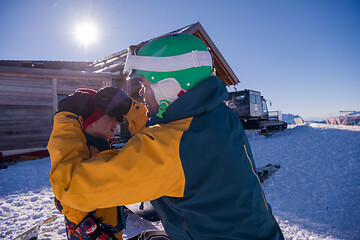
{"x": 251, "y": 108}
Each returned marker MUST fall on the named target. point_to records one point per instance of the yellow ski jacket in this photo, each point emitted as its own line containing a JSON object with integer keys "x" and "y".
{"x": 113, "y": 216}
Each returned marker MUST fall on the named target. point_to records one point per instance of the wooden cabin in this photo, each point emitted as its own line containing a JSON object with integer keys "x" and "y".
{"x": 30, "y": 90}
{"x": 29, "y": 98}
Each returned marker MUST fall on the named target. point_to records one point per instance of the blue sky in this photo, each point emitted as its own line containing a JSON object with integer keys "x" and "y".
{"x": 303, "y": 55}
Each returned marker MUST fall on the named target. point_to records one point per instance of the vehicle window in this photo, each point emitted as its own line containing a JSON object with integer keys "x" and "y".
{"x": 239, "y": 98}
{"x": 265, "y": 109}
{"x": 252, "y": 98}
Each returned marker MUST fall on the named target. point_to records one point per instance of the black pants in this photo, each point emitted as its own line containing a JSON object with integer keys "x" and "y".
{"x": 151, "y": 235}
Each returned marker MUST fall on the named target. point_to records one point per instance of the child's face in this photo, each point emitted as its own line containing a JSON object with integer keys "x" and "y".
{"x": 104, "y": 127}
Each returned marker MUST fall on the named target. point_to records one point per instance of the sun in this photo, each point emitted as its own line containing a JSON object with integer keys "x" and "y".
{"x": 86, "y": 33}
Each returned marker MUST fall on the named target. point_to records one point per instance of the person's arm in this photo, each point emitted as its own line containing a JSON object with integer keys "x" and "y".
{"x": 147, "y": 168}
{"x": 137, "y": 117}
{"x": 116, "y": 103}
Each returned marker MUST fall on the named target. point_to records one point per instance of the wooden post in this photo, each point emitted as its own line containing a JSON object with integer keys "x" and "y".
{"x": 54, "y": 87}
{"x": 107, "y": 83}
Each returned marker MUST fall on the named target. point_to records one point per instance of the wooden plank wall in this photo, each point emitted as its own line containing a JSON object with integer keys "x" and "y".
{"x": 28, "y": 104}
{"x": 26, "y": 108}
{"x": 67, "y": 86}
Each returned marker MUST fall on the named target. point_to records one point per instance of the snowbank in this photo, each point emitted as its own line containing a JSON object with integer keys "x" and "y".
{"x": 315, "y": 194}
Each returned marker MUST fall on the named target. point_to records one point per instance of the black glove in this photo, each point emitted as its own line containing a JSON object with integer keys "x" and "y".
{"x": 113, "y": 101}
{"x": 79, "y": 103}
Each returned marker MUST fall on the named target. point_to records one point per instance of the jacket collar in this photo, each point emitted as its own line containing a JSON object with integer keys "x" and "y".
{"x": 202, "y": 98}
{"x": 100, "y": 143}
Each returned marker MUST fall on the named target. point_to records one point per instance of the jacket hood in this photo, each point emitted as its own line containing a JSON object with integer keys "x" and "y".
{"x": 202, "y": 98}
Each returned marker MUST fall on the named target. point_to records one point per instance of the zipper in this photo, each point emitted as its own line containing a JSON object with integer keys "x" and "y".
{"x": 183, "y": 221}
{"x": 257, "y": 177}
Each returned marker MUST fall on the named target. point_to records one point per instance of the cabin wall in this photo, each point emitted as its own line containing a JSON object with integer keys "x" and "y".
{"x": 28, "y": 104}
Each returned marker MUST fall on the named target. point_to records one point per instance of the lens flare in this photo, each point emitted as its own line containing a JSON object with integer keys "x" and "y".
{"x": 86, "y": 33}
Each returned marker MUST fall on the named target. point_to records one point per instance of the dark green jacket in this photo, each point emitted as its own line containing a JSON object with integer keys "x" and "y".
{"x": 223, "y": 198}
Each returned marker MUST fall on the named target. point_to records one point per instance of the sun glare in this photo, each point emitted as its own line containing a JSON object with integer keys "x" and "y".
{"x": 86, "y": 33}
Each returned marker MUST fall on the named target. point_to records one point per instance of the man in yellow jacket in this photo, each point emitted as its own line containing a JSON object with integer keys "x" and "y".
{"x": 192, "y": 160}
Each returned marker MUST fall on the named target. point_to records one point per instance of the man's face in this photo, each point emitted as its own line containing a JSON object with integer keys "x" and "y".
{"x": 148, "y": 96}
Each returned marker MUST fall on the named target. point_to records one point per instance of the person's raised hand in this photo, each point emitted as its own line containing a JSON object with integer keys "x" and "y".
{"x": 113, "y": 101}
{"x": 79, "y": 103}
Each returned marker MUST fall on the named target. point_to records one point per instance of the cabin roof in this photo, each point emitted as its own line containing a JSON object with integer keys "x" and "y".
{"x": 56, "y": 65}
{"x": 116, "y": 61}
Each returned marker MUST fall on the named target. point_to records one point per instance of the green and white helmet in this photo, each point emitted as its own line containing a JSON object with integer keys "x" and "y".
{"x": 173, "y": 63}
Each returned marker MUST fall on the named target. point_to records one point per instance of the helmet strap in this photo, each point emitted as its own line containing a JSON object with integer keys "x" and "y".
{"x": 164, "y": 104}
{"x": 166, "y": 92}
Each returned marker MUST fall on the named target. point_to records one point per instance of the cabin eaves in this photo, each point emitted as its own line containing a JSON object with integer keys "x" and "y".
{"x": 115, "y": 62}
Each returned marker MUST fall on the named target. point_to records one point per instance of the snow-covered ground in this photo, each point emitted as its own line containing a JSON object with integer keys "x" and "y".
{"x": 315, "y": 194}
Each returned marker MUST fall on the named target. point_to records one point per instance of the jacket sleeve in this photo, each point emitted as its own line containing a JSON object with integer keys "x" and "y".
{"x": 137, "y": 117}
{"x": 147, "y": 168}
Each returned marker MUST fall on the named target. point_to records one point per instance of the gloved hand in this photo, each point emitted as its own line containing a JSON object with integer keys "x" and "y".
{"x": 79, "y": 103}
{"x": 113, "y": 101}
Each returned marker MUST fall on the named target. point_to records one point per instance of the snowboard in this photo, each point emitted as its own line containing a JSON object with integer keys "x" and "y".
{"x": 144, "y": 210}
{"x": 32, "y": 233}
{"x": 267, "y": 171}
